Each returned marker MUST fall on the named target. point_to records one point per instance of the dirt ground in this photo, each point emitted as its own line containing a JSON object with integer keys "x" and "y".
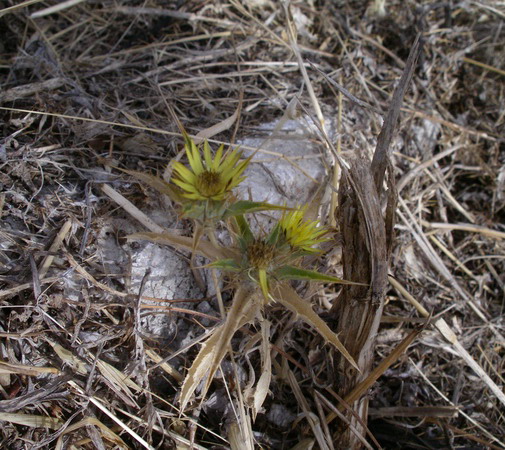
{"x": 97, "y": 331}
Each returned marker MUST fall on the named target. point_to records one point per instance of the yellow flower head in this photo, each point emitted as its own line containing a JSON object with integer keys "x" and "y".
{"x": 210, "y": 179}
{"x": 301, "y": 234}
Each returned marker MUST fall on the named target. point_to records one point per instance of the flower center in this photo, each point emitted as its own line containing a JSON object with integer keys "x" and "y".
{"x": 208, "y": 183}
{"x": 260, "y": 254}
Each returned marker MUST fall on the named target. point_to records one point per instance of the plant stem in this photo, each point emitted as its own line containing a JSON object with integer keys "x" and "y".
{"x": 212, "y": 238}
{"x": 215, "y": 243}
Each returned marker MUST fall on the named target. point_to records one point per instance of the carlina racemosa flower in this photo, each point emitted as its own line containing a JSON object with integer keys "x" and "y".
{"x": 301, "y": 234}
{"x": 210, "y": 178}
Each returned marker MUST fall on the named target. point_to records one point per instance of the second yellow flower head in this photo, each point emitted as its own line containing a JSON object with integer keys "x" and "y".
{"x": 301, "y": 234}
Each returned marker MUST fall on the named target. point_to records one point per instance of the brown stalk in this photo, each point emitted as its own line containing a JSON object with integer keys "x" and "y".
{"x": 366, "y": 247}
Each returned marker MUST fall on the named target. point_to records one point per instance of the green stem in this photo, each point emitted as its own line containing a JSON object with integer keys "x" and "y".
{"x": 215, "y": 243}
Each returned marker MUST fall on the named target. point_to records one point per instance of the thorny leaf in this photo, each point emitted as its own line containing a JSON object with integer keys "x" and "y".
{"x": 203, "y": 248}
{"x": 261, "y": 391}
{"x": 243, "y": 229}
{"x": 263, "y": 282}
{"x": 225, "y": 264}
{"x": 245, "y": 308}
{"x": 287, "y": 296}
{"x": 295, "y": 273}
{"x": 157, "y": 183}
{"x": 244, "y": 206}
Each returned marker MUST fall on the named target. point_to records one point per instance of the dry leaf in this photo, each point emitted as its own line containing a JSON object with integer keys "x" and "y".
{"x": 203, "y": 248}
{"x": 245, "y": 308}
{"x": 6, "y": 368}
{"x": 291, "y": 300}
{"x": 105, "y": 432}
{"x": 31, "y": 420}
{"x": 262, "y": 388}
{"x": 69, "y": 358}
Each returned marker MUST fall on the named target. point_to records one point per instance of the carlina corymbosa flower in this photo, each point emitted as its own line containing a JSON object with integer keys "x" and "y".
{"x": 301, "y": 234}
{"x": 210, "y": 178}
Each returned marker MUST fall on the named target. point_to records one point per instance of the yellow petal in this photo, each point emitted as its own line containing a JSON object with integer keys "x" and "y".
{"x": 217, "y": 158}
{"x": 234, "y": 173}
{"x": 235, "y": 182}
{"x": 195, "y": 161}
{"x": 184, "y": 173}
{"x": 185, "y": 186}
{"x": 243, "y": 165}
{"x": 207, "y": 155}
{"x": 229, "y": 161}
{"x": 193, "y": 196}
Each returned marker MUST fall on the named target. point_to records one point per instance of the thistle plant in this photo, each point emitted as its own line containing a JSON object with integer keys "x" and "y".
{"x": 259, "y": 267}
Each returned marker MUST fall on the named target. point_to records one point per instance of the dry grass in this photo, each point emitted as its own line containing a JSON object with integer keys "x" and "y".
{"x": 90, "y": 358}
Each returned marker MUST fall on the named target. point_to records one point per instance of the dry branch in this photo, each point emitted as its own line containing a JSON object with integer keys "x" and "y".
{"x": 366, "y": 249}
